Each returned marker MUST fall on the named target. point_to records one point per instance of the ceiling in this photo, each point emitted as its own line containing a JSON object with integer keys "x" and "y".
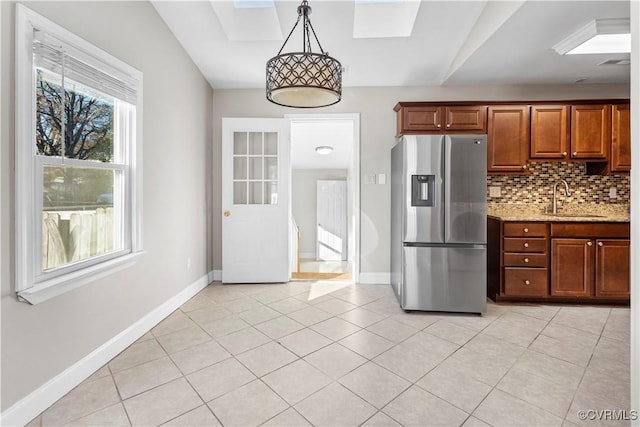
{"x": 399, "y": 43}
{"x": 393, "y": 43}
{"x": 306, "y": 135}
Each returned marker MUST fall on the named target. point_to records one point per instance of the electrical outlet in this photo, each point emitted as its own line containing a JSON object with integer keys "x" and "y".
{"x": 613, "y": 193}
{"x": 495, "y": 191}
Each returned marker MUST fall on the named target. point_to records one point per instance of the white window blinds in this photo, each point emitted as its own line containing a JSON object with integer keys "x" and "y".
{"x": 60, "y": 58}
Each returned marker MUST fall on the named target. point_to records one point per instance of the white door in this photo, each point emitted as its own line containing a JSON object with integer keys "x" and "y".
{"x": 255, "y": 200}
{"x": 331, "y": 221}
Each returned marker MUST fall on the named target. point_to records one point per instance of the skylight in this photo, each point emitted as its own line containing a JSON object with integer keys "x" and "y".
{"x": 604, "y": 43}
{"x": 253, "y": 4}
{"x": 598, "y": 36}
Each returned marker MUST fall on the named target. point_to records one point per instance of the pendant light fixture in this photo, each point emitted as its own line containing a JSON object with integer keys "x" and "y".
{"x": 304, "y": 79}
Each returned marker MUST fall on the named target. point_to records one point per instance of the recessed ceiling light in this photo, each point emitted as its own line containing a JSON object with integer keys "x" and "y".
{"x": 324, "y": 150}
{"x": 598, "y": 36}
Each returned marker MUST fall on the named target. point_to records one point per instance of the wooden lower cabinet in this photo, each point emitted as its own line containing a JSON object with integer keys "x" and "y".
{"x": 613, "y": 260}
{"x": 572, "y": 267}
{"x": 558, "y": 261}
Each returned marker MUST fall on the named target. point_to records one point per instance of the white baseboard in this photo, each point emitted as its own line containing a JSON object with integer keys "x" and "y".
{"x": 381, "y": 278}
{"x": 33, "y": 404}
{"x": 308, "y": 255}
{"x": 214, "y": 276}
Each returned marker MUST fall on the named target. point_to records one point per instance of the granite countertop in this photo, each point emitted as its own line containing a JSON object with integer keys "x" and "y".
{"x": 583, "y": 212}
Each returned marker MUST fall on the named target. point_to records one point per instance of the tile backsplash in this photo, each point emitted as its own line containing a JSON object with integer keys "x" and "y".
{"x": 537, "y": 185}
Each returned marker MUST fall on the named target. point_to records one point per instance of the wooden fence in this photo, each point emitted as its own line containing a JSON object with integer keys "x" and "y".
{"x": 73, "y": 236}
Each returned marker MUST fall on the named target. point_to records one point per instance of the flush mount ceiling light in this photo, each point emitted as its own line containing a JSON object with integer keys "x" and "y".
{"x": 598, "y": 36}
{"x": 324, "y": 150}
{"x": 304, "y": 79}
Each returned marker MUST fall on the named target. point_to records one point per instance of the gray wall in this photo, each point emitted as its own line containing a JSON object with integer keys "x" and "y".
{"x": 39, "y": 342}
{"x": 304, "y": 202}
{"x": 377, "y": 127}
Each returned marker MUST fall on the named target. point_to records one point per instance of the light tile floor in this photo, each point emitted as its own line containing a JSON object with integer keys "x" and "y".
{"x": 313, "y": 266}
{"x": 336, "y": 354}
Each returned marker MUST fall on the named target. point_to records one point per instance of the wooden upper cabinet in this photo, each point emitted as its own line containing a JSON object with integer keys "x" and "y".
{"x": 466, "y": 118}
{"x": 550, "y": 132}
{"x": 419, "y": 119}
{"x": 590, "y": 131}
{"x": 508, "y": 138}
{"x": 620, "y": 160}
{"x": 613, "y": 277}
{"x": 415, "y": 119}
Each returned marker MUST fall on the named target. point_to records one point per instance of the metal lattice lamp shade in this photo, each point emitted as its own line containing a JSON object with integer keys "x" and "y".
{"x": 304, "y": 79}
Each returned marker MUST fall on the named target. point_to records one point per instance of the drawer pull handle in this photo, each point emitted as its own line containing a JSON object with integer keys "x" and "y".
{"x": 589, "y": 243}
{"x": 600, "y": 244}
{"x": 526, "y": 230}
{"x": 526, "y": 260}
{"x": 526, "y": 245}
{"x": 526, "y": 282}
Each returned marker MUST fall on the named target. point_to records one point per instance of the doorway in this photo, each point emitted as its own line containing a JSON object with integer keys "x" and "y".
{"x": 325, "y": 196}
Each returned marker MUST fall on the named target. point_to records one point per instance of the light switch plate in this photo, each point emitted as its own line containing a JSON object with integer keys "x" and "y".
{"x": 495, "y": 191}
{"x": 382, "y": 179}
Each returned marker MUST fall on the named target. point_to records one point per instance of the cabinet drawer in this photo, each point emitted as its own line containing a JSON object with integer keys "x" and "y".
{"x": 526, "y": 282}
{"x": 525, "y": 229}
{"x": 525, "y": 260}
{"x": 517, "y": 244}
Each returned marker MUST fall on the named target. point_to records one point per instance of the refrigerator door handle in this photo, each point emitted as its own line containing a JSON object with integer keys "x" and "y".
{"x": 446, "y": 171}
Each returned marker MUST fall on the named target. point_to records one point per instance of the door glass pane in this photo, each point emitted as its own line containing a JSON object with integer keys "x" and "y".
{"x": 255, "y": 168}
{"x": 239, "y": 143}
{"x": 239, "y": 168}
{"x": 255, "y": 143}
{"x": 255, "y": 193}
{"x": 240, "y": 193}
{"x": 271, "y": 168}
{"x": 81, "y": 214}
{"x": 270, "y": 193}
{"x": 271, "y": 143}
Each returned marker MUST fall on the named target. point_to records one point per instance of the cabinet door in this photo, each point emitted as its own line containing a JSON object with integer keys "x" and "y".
{"x": 590, "y": 131}
{"x": 572, "y": 267}
{"x": 466, "y": 118}
{"x": 421, "y": 119}
{"x": 508, "y": 139}
{"x": 549, "y": 131}
{"x": 613, "y": 268}
{"x": 620, "y": 139}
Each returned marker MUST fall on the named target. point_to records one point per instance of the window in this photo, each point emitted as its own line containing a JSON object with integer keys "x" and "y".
{"x": 255, "y": 168}
{"x": 77, "y": 159}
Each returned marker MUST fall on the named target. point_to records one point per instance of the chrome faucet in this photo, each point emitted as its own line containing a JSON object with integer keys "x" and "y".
{"x": 554, "y": 203}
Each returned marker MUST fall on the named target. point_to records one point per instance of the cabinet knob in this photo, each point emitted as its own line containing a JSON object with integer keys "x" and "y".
{"x": 600, "y": 244}
{"x": 448, "y": 125}
{"x": 526, "y": 282}
{"x": 526, "y": 230}
{"x": 524, "y": 167}
{"x": 564, "y": 153}
{"x": 526, "y": 260}
{"x": 589, "y": 243}
{"x": 526, "y": 245}
{"x": 575, "y": 153}
{"x": 439, "y": 125}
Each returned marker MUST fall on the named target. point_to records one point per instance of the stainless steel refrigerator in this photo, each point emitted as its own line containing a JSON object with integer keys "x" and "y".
{"x": 438, "y": 222}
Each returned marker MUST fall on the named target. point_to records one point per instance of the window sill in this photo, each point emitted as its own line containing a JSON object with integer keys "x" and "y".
{"x": 52, "y": 288}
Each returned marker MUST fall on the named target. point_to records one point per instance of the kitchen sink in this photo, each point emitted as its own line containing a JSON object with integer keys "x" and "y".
{"x": 574, "y": 215}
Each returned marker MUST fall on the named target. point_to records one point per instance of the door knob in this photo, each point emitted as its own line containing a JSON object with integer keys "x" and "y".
{"x": 227, "y": 213}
